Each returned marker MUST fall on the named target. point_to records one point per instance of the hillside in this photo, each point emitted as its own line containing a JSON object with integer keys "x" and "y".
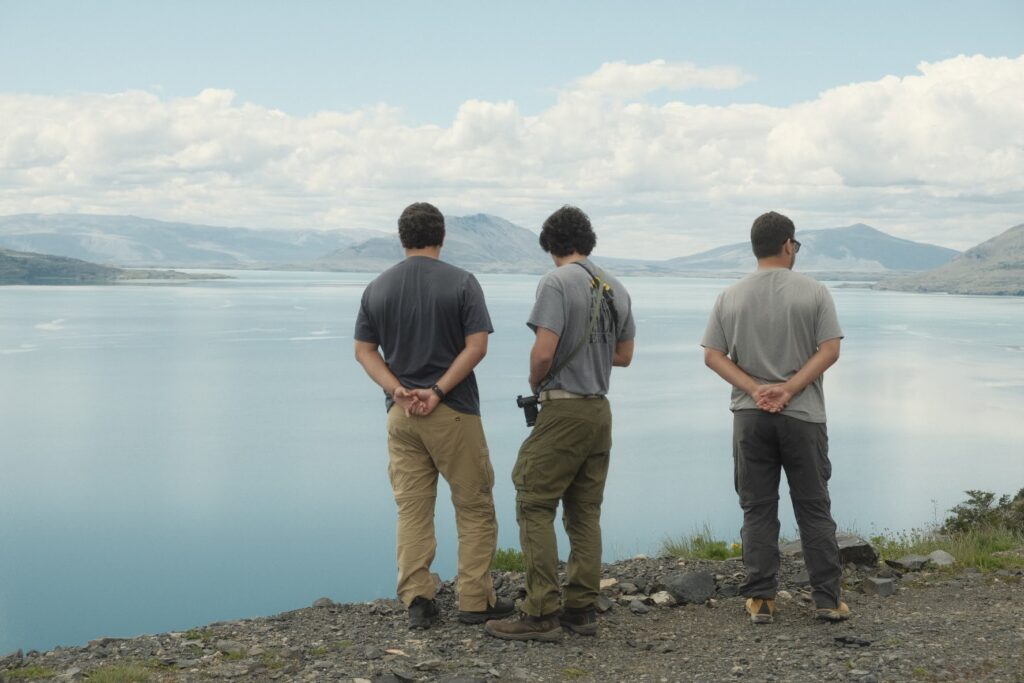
{"x": 27, "y": 268}
{"x": 993, "y": 267}
{"x": 853, "y": 249}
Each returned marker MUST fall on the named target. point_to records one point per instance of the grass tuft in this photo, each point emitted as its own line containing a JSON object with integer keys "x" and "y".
{"x": 974, "y": 547}
{"x": 508, "y": 560}
{"x": 700, "y": 545}
{"x": 30, "y": 673}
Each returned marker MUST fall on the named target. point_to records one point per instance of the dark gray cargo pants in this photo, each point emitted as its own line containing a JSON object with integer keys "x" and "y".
{"x": 763, "y": 445}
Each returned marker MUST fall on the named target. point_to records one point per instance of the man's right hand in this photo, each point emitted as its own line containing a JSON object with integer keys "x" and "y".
{"x": 772, "y": 398}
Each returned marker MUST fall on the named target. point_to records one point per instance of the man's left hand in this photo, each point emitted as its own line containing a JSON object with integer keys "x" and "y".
{"x": 424, "y": 401}
{"x": 772, "y": 398}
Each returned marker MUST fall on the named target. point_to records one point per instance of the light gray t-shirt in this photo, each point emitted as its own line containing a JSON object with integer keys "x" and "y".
{"x": 770, "y": 323}
{"x": 564, "y": 305}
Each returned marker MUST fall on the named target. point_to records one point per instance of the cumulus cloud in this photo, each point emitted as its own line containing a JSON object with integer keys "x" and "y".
{"x": 937, "y": 155}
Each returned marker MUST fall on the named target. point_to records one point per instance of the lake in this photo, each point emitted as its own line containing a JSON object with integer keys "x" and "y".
{"x": 176, "y": 455}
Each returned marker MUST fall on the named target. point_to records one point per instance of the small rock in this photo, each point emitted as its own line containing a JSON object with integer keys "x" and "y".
{"x": 637, "y": 607}
{"x": 627, "y": 588}
{"x": 373, "y": 653}
{"x": 603, "y": 604}
{"x": 784, "y": 595}
{"x": 228, "y": 646}
{"x": 403, "y": 675}
{"x": 940, "y": 558}
{"x": 663, "y": 599}
{"x": 323, "y": 602}
{"x": 607, "y": 583}
{"x": 711, "y": 603}
{"x": 851, "y": 641}
{"x": 802, "y": 578}
{"x": 909, "y": 563}
{"x": 640, "y": 557}
{"x": 690, "y": 587}
{"x": 874, "y": 585}
{"x": 430, "y": 665}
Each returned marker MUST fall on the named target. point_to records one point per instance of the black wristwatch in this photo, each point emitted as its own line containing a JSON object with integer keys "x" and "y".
{"x": 439, "y": 391}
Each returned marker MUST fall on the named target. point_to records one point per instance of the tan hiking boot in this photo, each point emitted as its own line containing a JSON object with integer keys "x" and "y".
{"x": 525, "y": 627}
{"x": 840, "y": 613}
{"x": 761, "y": 610}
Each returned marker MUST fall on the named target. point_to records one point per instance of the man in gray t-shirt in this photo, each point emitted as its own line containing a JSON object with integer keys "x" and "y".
{"x": 583, "y": 324}
{"x": 772, "y": 335}
{"x": 429, "y": 320}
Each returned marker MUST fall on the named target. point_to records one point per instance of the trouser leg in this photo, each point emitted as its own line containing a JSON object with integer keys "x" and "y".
{"x": 756, "y": 461}
{"x": 540, "y": 552}
{"x": 414, "y": 482}
{"x": 457, "y": 443}
{"x": 805, "y": 458}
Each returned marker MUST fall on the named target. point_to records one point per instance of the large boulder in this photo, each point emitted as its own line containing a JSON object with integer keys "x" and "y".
{"x": 690, "y": 587}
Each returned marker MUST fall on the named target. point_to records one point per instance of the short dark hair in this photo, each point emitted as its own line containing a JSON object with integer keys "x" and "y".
{"x": 566, "y": 231}
{"x": 421, "y": 225}
{"x": 769, "y": 232}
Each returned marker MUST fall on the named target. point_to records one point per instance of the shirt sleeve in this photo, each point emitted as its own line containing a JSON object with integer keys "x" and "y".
{"x": 628, "y": 330}
{"x": 365, "y": 331}
{"x": 826, "y": 324}
{"x": 714, "y": 334}
{"x": 475, "y": 317}
{"x": 548, "y": 310}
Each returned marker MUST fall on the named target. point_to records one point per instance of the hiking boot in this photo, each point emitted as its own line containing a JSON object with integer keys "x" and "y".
{"x": 422, "y": 613}
{"x": 581, "y": 620}
{"x": 761, "y": 610}
{"x": 526, "y": 627}
{"x": 839, "y": 613}
{"x": 500, "y": 608}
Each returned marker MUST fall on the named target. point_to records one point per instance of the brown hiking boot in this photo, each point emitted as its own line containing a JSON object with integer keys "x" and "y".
{"x": 761, "y": 610}
{"x": 838, "y": 613}
{"x": 525, "y": 627}
{"x": 581, "y": 620}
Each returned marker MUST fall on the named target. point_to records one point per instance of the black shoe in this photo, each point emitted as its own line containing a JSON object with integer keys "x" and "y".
{"x": 500, "y": 608}
{"x": 422, "y": 613}
{"x": 581, "y": 620}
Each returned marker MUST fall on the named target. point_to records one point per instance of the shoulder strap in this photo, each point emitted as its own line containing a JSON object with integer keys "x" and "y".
{"x": 595, "y": 312}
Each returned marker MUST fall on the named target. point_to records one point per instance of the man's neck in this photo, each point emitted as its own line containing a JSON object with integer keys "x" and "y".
{"x": 430, "y": 252}
{"x": 773, "y": 262}
{"x": 571, "y": 258}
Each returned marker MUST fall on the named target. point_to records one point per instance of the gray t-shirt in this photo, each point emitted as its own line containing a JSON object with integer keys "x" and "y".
{"x": 770, "y": 323}
{"x": 420, "y": 312}
{"x": 564, "y": 305}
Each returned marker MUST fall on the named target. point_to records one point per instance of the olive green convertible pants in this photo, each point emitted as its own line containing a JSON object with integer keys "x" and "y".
{"x": 564, "y": 458}
{"x": 452, "y": 444}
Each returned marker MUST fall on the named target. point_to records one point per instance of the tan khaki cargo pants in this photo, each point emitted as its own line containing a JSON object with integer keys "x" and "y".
{"x": 453, "y": 444}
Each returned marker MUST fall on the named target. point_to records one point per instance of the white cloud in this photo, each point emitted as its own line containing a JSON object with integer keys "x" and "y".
{"x": 937, "y": 155}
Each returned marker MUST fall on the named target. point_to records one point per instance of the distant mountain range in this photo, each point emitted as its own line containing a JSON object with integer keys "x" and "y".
{"x": 853, "y": 249}
{"x": 141, "y": 242}
{"x": 481, "y": 243}
{"x": 992, "y": 267}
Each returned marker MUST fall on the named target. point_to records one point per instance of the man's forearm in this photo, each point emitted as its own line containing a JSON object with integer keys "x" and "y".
{"x": 468, "y": 358}
{"x": 729, "y": 371}
{"x": 373, "y": 363}
{"x": 826, "y": 355}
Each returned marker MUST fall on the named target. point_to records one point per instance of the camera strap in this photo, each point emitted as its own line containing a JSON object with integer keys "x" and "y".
{"x": 601, "y": 291}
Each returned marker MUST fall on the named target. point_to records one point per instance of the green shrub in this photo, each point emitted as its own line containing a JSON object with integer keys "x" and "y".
{"x": 122, "y": 673}
{"x": 508, "y": 560}
{"x": 979, "y": 511}
{"x": 701, "y": 545}
{"x": 30, "y": 673}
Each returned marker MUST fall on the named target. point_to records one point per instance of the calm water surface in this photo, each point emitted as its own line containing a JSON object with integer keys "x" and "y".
{"x": 175, "y": 455}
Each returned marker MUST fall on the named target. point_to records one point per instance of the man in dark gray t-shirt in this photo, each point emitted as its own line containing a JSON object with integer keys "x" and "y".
{"x": 429, "y": 320}
{"x": 772, "y": 335}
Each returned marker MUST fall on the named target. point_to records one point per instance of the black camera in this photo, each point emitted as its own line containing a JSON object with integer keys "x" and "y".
{"x": 529, "y": 405}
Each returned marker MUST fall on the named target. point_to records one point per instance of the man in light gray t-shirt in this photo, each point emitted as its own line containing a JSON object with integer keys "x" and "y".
{"x": 772, "y": 335}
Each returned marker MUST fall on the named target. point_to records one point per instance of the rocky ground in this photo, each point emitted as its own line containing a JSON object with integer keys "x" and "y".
{"x": 937, "y": 625}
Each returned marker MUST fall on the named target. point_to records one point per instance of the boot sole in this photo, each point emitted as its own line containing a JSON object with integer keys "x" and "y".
{"x": 553, "y": 636}
{"x": 762, "y": 618}
{"x": 829, "y": 615}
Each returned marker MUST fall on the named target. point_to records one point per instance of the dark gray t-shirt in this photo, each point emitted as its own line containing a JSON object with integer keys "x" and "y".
{"x": 420, "y": 312}
{"x": 770, "y": 323}
{"x": 564, "y": 306}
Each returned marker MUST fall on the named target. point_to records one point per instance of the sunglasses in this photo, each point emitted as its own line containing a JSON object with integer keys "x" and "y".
{"x": 796, "y": 245}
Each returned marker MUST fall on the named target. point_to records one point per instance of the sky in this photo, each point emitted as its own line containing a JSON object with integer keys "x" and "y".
{"x": 672, "y": 124}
